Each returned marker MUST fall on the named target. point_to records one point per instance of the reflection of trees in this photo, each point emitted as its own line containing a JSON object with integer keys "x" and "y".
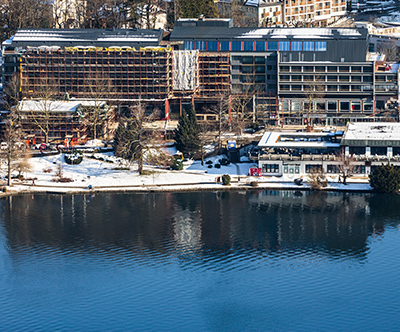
{"x": 211, "y": 223}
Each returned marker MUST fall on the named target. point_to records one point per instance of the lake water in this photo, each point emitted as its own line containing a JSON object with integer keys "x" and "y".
{"x": 207, "y": 261}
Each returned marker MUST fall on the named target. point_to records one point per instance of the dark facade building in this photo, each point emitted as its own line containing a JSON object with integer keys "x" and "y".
{"x": 289, "y": 74}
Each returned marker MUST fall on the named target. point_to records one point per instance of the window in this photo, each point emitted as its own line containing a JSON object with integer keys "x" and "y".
{"x": 247, "y": 69}
{"x": 260, "y": 79}
{"x": 189, "y": 45}
{"x": 333, "y": 169}
{"x": 297, "y": 46}
{"x": 270, "y": 168}
{"x": 248, "y": 46}
{"x": 224, "y": 46}
{"x": 313, "y": 168}
{"x": 272, "y": 46}
{"x": 320, "y": 46}
{"x": 260, "y": 46}
{"x": 284, "y": 46}
{"x": 213, "y": 46}
{"x": 201, "y": 45}
{"x": 236, "y": 46}
{"x": 260, "y": 69}
{"x": 259, "y": 60}
{"x": 247, "y": 60}
{"x": 308, "y": 46}
{"x": 359, "y": 169}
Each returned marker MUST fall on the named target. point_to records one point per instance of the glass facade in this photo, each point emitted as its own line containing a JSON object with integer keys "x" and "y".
{"x": 284, "y": 46}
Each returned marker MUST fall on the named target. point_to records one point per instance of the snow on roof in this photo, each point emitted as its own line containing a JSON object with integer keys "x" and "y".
{"x": 373, "y": 131}
{"x": 55, "y": 105}
{"x": 312, "y": 33}
{"x": 276, "y": 139}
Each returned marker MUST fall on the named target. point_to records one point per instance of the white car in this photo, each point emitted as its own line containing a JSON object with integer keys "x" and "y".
{"x": 3, "y": 146}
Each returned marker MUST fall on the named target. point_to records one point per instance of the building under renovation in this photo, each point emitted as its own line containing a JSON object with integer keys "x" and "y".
{"x": 279, "y": 75}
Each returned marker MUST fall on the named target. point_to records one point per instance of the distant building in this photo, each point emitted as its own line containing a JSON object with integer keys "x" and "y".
{"x": 288, "y": 12}
{"x": 297, "y": 154}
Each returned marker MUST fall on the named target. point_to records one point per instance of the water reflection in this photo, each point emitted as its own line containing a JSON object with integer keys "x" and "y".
{"x": 206, "y": 223}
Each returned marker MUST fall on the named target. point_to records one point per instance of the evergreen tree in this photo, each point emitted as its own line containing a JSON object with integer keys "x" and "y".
{"x": 187, "y": 139}
{"x": 385, "y": 179}
{"x": 195, "y": 8}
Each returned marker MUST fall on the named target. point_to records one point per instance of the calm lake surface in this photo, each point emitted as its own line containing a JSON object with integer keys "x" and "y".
{"x": 207, "y": 261}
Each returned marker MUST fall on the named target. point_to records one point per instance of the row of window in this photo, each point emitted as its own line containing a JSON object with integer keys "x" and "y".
{"x": 318, "y": 46}
{"x": 331, "y": 169}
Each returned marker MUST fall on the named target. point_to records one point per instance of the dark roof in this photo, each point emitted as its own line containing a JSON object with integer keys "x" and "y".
{"x": 206, "y": 32}
{"x": 87, "y": 37}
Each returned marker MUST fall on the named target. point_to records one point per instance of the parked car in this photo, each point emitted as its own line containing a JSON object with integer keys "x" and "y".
{"x": 3, "y": 146}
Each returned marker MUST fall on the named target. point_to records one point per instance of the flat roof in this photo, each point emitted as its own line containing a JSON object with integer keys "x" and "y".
{"x": 86, "y": 37}
{"x": 56, "y": 105}
{"x": 372, "y": 134}
{"x": 207, "y": 32}
{"x": 297, "y": 140}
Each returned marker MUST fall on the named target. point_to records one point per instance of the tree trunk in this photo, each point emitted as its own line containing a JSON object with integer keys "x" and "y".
{"x": 140, "y": 165}
{"x": 9, "y": 183}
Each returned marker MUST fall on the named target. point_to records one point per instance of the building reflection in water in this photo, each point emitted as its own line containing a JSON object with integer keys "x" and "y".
{"x": 256, "y": 222}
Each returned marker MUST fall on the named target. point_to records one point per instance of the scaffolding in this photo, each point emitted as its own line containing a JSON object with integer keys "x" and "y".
{"x": 214, "y": 74}
{"x": 144, "y": 74}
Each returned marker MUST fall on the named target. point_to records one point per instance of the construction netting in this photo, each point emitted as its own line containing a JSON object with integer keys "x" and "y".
{"x": 185, "y": 70}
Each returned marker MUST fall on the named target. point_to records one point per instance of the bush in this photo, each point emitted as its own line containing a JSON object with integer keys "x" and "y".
{"x": 317, "y": 179}
{"x": 209, "y": 162}
{"x": 74, "y": 158}
{"x": 385, "y": 179}
{"x": 177, "y": 165}
{"x": 217, "y": 166}
{"x": 226, "y": 179}
{"x": 209, "y": 166}
{"x": 224, "y": 161}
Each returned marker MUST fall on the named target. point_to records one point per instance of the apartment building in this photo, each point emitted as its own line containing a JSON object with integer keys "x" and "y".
{"x": 321, "y": 12}
{"x": 265, "y": 13}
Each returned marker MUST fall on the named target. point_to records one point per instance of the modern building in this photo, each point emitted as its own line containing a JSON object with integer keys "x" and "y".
{"x": 363, "y": 145}
{"x": 283, "y": 75}
{"x": 329, "y": 66}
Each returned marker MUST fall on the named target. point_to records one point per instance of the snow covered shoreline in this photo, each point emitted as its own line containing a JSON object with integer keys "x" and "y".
{"x": 106, "y": 174}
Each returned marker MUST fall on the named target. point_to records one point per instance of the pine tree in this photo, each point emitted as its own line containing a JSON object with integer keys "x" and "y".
{"x": 186, "y": 136}
{"x": 385, "y": 179}
{"x": 195, "y": 8}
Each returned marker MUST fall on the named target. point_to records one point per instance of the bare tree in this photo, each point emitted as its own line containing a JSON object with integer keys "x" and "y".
{"x": 24, "y": 14}
{"x": 99, "y": 90}
{"x": 44, "y": 106}
{"x": 240, "y": 104}
{"x": 13, "y": 150}
{"x": 316, "y": 178}
{"x": 66, "y": 13}
{"x": 149, "y": 11}
{"x": 220, "y": 110}
{"x": 346, "y": 166}
{"x": 12, "y": 131}
{"x": 312, "y": 91}
{"x": 389, "y": 49}
{"x": 137, "y": 140}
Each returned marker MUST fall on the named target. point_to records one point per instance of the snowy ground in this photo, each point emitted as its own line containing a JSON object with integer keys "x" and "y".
{"x": 107, "y": 176}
